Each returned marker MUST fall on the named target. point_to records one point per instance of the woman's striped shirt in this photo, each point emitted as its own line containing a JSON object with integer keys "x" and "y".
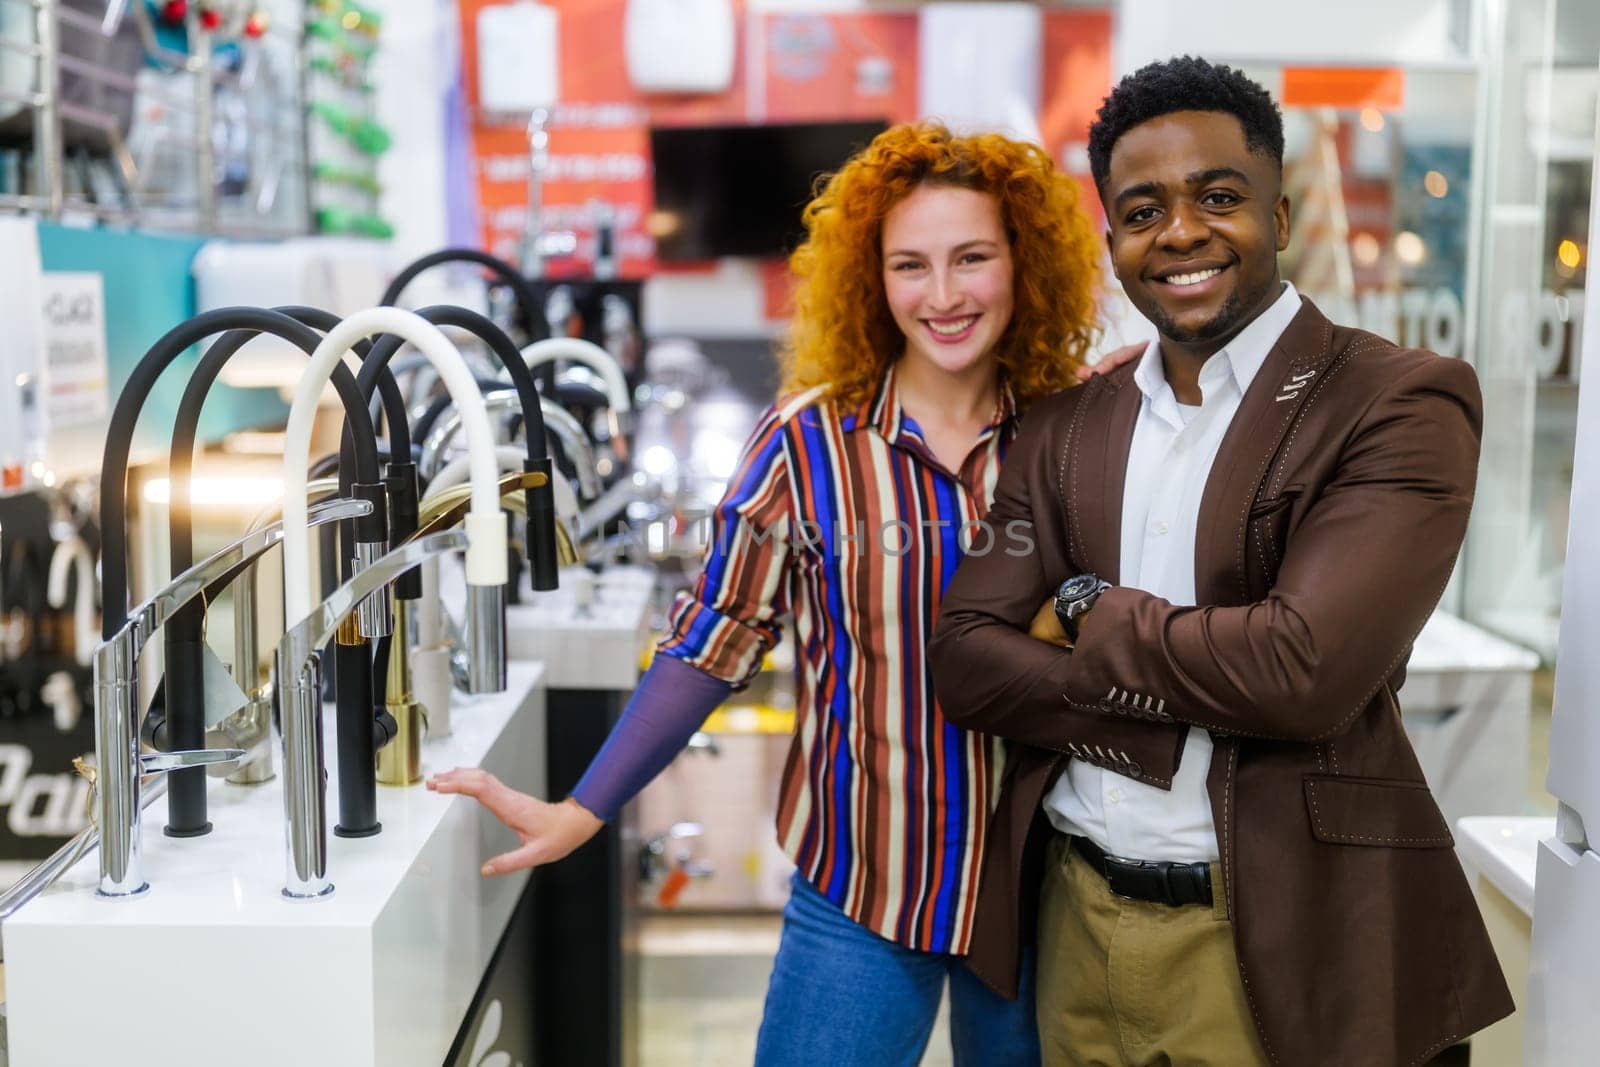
{"x": 847, "y": 521}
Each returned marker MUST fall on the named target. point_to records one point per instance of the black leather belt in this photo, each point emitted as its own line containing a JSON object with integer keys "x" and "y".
{"x": 1159, "y": 882}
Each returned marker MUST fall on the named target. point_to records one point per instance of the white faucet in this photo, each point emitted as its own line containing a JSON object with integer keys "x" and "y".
{"x": 591, "y": 355}
{"x": 295, "y": 684}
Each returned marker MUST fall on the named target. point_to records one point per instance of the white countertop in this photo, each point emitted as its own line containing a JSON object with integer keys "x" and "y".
{"x": 1505, "y": 850}
{"x": 381, "y": 971}
{"x": 1447, "y": 643}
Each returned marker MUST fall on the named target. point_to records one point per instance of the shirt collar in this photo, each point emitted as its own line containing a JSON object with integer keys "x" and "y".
{"x": 883, "y": 412}
{"x": 1243, "y": 356}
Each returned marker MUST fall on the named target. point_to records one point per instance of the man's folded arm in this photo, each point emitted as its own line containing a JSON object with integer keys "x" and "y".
{"x": 990, "y": 675}
{"x": 1360, "y": 576}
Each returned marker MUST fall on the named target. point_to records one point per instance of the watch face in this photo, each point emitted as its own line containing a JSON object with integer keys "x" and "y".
{"x": 1080, "y": 586}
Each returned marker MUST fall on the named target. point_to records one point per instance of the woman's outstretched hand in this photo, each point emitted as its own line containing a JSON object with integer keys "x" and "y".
{"x": 1111, "y": 361}
{"x": 549, "y": 832}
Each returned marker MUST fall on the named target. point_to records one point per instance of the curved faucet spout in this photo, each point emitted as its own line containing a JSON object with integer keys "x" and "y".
{"x": 119, "y": 436}
{"x": 591, "y": 355}
{"x": 541, "y": 546}
{"x": 527, "y": 303}
{"x": 486, "y": 562}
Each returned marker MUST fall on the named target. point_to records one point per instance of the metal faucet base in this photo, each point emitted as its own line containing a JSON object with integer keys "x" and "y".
{"x": 318, "y": 895}
{"x": 130, "y": 894}
{"x": 256, "y": 772}
{"x": 366, "y": 831}
{"x": 400, "y": 761}
{"x": 199, "y": 831}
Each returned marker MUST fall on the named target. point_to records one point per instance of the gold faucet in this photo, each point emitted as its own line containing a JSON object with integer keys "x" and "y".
{"x": 445, "y": 509}
{"x": 400, "y": 761}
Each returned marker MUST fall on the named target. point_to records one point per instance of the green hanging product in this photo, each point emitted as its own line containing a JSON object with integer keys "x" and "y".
{"x": 370, "y": 137}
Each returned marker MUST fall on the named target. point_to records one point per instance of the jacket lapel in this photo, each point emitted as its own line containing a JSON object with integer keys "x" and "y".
{"x": 1281, "y": 389}
{"x": 1097, "y": 464}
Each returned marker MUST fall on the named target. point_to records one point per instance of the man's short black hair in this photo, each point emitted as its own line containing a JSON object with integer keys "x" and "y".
{"x": 1184, "y": 84}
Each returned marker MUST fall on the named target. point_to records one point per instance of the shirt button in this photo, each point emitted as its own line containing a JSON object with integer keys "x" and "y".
{"x": 1159, "y": 526}
{"x": 1115, "y": 795}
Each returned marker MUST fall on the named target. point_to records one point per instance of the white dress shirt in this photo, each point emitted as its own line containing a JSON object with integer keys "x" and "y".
{"x": 1168, "y": 464}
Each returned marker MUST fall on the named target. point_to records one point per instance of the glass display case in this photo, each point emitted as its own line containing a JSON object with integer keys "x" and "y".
{"x": 1447, "y": 207}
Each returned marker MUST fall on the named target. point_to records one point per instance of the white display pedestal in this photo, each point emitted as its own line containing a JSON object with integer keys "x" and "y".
{"x": 1466, "y": 706}
{"x": 1500, "y": 853}
{"x": 592, "y": 647}
{"x": 213, "y": 965}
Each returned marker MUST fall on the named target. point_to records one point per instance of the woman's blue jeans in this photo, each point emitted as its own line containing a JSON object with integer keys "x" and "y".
{"x": 841, "y": 995}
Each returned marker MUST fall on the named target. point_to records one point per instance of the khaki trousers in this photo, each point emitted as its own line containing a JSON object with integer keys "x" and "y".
{"x": 1126, "y": 983}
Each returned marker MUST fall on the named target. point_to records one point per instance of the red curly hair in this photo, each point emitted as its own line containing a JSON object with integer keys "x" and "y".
{"x": 843, "y": 335}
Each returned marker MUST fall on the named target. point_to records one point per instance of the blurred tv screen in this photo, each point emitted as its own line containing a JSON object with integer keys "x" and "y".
{"x": 739, "y": 190}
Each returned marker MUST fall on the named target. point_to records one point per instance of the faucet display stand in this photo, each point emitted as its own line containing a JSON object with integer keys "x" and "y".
{"x": 382, "y": 972}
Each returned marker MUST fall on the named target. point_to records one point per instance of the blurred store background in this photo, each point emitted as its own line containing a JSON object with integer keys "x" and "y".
{"x": 1440, "y": 160}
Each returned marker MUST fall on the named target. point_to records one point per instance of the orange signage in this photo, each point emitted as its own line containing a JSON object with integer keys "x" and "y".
{"x": 807, "y": 66}
{"x": 1345, "y": 88}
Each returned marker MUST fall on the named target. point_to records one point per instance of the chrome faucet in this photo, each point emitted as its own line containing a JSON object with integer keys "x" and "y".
{"x": 250, "y": 727}
{"x": 558, "y": 422}
{"x": 119, "y": 766}
{"x": 297, "y": 689}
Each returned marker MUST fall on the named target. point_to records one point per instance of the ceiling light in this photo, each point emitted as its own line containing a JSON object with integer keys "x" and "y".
{"x": 1366, "y": 249}
{"x": 1410, "y": 248}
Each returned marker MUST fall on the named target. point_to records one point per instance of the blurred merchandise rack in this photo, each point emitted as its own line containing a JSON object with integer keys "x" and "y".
{"x": 343, "y": 138}
{"x": 179, "y": 115}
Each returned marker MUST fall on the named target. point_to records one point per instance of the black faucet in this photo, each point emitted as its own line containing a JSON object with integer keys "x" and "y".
{"x": 185, "y": 725}
{"x": 541, "y": 505}
{"x": 527, "y": 302}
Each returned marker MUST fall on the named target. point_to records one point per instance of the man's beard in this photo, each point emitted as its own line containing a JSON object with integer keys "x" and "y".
{"x": 1227, "y": 320}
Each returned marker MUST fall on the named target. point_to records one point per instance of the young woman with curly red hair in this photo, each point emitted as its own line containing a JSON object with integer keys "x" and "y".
{"x": 945, "y": 283}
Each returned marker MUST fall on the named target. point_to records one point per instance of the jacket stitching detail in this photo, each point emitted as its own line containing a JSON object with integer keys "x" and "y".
{"x": 1227, "y": 889}
{"x": 1069, "y": 454}
{"x": 1244, "y": 519}
{"x": 1342, "y": 724}
{"x": 1428, "y": 1053}
{"x": 1293, "y": 420}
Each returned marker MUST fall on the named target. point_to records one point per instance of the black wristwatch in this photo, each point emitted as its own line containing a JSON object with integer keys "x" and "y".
{"x": 1075, "y": 597}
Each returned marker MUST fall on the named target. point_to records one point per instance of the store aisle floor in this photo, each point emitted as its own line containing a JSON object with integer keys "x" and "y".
{"x": 703, "y": 981}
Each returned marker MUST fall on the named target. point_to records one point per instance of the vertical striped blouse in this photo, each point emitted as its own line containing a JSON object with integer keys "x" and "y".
{"x": 847, "y": 521}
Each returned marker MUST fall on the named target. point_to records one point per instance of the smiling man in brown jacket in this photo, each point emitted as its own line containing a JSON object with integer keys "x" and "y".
{"x": 1237, "y": 538}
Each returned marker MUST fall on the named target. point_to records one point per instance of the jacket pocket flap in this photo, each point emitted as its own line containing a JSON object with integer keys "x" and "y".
{"x": 1375, "y": 811}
